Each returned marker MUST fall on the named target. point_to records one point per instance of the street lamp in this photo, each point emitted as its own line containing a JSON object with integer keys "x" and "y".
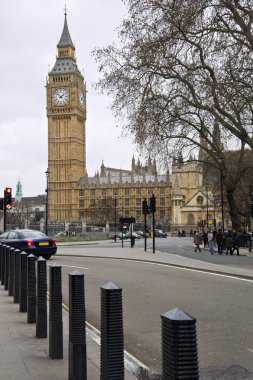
{"x": 115, "y": 218}
{"x": 221, "y": 158}
{"x": 207, "y": 206}
{"x": 47, "y": 175}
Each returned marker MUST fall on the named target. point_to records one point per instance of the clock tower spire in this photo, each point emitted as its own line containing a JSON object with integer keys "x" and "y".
{"x": 66, "y": 112}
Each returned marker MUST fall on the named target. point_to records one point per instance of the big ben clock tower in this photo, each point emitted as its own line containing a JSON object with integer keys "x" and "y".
{"x": 66, "y": 112}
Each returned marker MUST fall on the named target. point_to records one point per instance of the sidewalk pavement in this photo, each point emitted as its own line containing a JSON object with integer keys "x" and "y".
{"x": 24, "y": 357}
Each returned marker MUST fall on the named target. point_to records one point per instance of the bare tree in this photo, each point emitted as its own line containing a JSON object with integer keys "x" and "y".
{"x": 102, "y": 210}
{"x": 181, "y": 67}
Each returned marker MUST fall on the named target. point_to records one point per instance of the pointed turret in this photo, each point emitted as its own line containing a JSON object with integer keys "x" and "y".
{"x": 65, "y": 40}
{"x": 102, "y": 169}
{"x": 216, "y": 134}
{"x": 154, "y": 167}
{"x": 133, "y": 164}
{"x": 19, "y": 194}
{"x": 66, "y": 59}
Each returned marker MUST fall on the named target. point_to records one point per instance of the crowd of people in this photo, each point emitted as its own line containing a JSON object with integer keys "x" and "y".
{"x": 225, "y": 242}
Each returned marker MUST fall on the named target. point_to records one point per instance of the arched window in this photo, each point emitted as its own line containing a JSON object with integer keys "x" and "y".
{"x": 200, "y": 200}
{"x": 191, "y": 219}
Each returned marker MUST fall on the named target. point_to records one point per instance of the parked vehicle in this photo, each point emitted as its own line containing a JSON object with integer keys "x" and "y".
{"x": 30, "y": 241}
{"x": 160, "y": 233}
{"x": 118, "y": 236}
{"x": 134, "y": 234}
{"x": 61, "y": 233}
{"x": 142, "y": 234}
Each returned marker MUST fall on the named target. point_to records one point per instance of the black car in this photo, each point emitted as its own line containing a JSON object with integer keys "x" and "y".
{"x": 30, "y": 241}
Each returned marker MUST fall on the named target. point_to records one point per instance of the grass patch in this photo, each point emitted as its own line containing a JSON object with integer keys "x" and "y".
{"x": 63, "y": 239}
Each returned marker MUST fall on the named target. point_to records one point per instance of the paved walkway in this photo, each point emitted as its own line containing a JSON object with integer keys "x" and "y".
{"x": 23, "y": 356}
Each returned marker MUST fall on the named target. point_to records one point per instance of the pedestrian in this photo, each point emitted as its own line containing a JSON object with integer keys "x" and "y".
{"x": 224, "y": 237}
{"x": 214, "y": 236}
{"x": 229, "y": 244}
{"x": 197, "y": 241}
{"x": 205, "y": 239}
{"x": 244, "y": 239}
{"x": 219, "y": 241}
{"x": 236, "y": 243}
{"x": 249, "y": 240}
{"x": 210, "y": 239}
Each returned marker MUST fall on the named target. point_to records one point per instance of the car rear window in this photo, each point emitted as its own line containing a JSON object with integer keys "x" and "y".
{"x": 32, "y": 234}
{"x": 12, "y": 235}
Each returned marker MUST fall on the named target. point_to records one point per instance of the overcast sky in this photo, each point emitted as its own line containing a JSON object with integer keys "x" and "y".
{"x": 30, "y": 30}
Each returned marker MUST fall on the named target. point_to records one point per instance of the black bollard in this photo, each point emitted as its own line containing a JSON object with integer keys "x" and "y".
{"x": 112, "y": 340}
{"x": 31, "y": 289}
{"x": 11, "y": 271}
{"x": 7, "y": 264}
{"x": 41, "y": 306}
{"x": 179, "y": 346}
{"x": 55, "y": 313}
{"x": 23, "y": 283}
{"x": 77, "y": 338}
{"x": 3, "y": 265}
{"x": 16, "y": 277}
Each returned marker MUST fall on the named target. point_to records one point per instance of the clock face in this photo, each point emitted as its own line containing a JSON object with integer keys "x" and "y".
{"x": 60, "y": 96}
{"x": 81, "y": 98}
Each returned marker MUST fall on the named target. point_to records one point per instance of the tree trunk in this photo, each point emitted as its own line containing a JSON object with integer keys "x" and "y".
{"x": 235, "y": 217}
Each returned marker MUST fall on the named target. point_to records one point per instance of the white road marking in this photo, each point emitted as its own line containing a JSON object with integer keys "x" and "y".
{"x": 73, "y": 266}
{"x": 193, "y": 270}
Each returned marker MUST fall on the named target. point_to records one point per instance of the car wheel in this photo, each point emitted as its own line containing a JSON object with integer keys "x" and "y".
{"x": 46, "y": 256}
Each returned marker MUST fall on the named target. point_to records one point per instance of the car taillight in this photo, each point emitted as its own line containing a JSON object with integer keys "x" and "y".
{"x": 54, "y": 242}
{"x": 30, "y": 243}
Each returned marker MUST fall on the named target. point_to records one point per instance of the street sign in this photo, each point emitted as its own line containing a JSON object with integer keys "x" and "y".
{"x": 126, "y": 220}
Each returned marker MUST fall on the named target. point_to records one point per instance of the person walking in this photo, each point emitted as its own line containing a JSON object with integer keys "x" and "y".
{"x": 229, "y": 244}
{"x": 210, "y": 238}
{"x": 249, "y": 240}
{"x": 219, "y": 241}
{"x": 197, "y": 241}
{"x": 205, "y": 239}
{"x": 236, "y": 243}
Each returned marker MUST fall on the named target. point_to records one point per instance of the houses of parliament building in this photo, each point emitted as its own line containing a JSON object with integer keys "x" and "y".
{"x": 112, "y": 192}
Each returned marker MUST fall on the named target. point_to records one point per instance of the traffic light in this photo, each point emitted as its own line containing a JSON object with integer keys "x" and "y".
{"x": 7, "y": 198}
{"x": 1, "y": 203}
{"x": 251, "y": 209}
{"x": 153, "y": 204}
{"x": 145, "y": 207}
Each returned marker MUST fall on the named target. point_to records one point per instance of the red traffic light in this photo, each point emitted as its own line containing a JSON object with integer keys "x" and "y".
{"x": 8, "y": 198}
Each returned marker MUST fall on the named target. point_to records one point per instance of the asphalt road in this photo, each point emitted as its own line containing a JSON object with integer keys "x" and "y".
{"x": 222, "y": 306}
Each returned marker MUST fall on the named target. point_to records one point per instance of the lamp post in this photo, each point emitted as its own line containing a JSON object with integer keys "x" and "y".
{"x": 115, "y": 218}
{"x": 207, "y": 206}
{"x": 221, "y": 190}
{"x": 47, "y": 175}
